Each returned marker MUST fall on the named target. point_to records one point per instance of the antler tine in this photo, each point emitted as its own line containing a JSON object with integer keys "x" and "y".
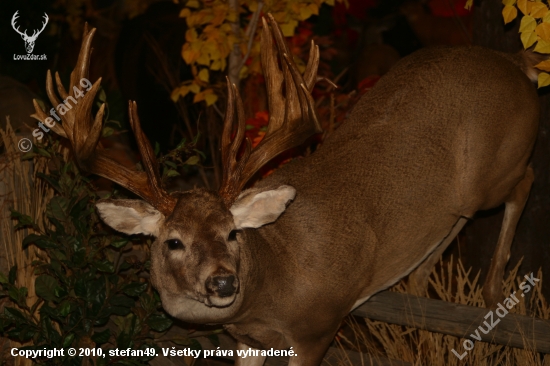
{"x": 229, "y": 188}
{"x": 292, "y": 116}
{"x": 157, "y": 196}
{"x": 84, "y": 132}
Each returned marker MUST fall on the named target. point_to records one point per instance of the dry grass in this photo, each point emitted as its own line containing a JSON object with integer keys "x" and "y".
{"x": 453, "y": 283}
{"x": 21, "y": 190}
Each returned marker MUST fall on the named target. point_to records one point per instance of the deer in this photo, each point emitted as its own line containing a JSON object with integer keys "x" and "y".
{"x": 29, "y": 40}
{"x": 445, "y": 133}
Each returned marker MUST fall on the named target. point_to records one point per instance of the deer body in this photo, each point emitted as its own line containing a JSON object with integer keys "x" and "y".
{"x": 447, "y": 132}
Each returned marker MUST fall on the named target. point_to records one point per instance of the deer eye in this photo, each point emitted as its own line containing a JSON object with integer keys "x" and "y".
{"x": 174, "y": 244}
{"x": 233, "y": 235}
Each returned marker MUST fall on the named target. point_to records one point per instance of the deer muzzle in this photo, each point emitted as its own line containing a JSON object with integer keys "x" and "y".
{"x": 222, "y": 286}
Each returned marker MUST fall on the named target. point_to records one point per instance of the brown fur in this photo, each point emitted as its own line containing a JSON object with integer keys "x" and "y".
{"x": 447, "y": 132}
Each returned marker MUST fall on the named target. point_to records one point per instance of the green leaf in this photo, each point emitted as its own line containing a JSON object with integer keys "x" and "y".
{"x": 64, "y": 308}
{"x": 119, "y": 243}
{"x": 28, "y": 156}
{"x": 172, "y": 173}
{"x": 40, "y": 241}
{"x": 68, "y": 340}
{"x": 23, "y": 220}
{"x": 159, "y": 322}
{"x": 14, "y": 314}
{"x": 122, "y": 300}
{"x": 107, "y": 131}
{"x": 51, "y": 181}
{"x": 12, "y": 275}
{"x": 101, "y": 337}
{"x": 157, "y": 148}
{"x": 134, "y": 289}
{"x": 193, "y": 160}
{"x": 3, "y": 278}
{"x": 45, "y": 287}
{"x": 181, "y": 144}
{"x": 43, "y": 152}
{"x": 171, "y": 164}
{"x": 105, "y": 266}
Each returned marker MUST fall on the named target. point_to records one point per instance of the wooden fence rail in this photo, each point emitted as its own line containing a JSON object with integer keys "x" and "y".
{"x": 458, "y": 320}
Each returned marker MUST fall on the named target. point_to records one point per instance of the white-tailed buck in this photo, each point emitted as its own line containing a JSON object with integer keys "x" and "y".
{"x": 447, "y": 132}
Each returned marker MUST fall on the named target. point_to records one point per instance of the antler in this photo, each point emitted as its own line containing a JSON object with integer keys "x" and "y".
{"x": 34, "y": 33}
{"x": 13, "y": 19}
{"x": 292, "y": 114}
{"x": 24, "y": 34}
{"x": 83, "y": 132}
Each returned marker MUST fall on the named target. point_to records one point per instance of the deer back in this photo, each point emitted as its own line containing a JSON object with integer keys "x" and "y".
{"x": 447, "y": 132}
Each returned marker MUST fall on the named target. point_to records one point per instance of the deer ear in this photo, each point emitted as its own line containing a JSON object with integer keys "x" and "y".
{"x": 256, "y": 207}
{"x": 130, "y": 216}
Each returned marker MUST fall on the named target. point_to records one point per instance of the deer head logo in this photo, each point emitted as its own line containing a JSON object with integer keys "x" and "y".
{"x": 29, "y": 40}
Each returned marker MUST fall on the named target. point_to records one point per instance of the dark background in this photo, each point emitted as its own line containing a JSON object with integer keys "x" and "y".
{"x": 123, "y": 57}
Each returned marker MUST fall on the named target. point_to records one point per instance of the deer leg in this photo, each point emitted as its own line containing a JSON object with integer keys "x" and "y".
{"x": 492, "y": 289}
{"x": 248, "y": 360}
{"x": 418, "y": 279}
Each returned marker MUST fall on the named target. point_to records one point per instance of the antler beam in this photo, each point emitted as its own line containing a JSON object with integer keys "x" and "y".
{"x": 84, "y": 132}
{"x": 292, "y": 114}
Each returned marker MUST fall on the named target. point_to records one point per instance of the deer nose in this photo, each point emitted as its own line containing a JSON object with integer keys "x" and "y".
{"x": 223, "y": 286}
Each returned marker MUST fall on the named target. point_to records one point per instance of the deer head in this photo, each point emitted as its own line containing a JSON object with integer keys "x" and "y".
{"x": 29, "y": 40}
{"x": 198, "y": 233}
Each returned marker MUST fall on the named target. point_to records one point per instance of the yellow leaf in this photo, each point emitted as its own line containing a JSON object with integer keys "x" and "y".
{"x": 209, "y": 97}
{"x": 203, "y": 59}
{"x": 528, "y": 39}
{"x": 194, "y": 88}
{"x": 314, "y": 9}
{"x": 185, "y": 12}
{"x": 543, "y": 31}
{"x": 467, "y": 6}
{"x": 528, "y": 24}
{"x": 509, "y": 13}
{"x": 542, "y": 47}
{"x": 216, "y": 65}
{"x": 232, "y": 16}
{"x": 546, "y": 17}
{"x": 544, "y": 65}
{"x": 191, "y": 35}
{"x": 305, "y": 13}
{"x": 331, "y": 2}
{"x": 199, "y": 97}
{"x": 179, "y": 92}
{"x": 175, "y": 95}
{"x": 203, "y": 75}
{"x": 188, "y": 54}
{"x": 243, "y": 73}
{"x": 192, "y": 4}
{"x": 508, "y": 2}
{"x": 288, "y": 28}
{"x": 544, "y": 79}
{"x": 538, "y": 10}
{"x": 524, "y": 6}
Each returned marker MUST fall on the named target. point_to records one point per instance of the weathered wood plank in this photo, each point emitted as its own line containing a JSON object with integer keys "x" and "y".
{"x": 457, "y": 320}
